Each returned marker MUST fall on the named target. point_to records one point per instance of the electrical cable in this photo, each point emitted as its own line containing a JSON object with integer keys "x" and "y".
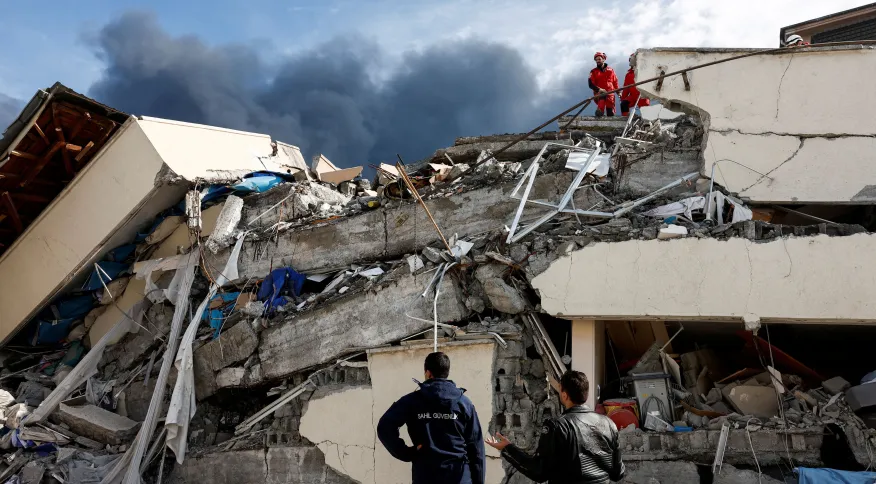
{"x": 748, "y": 434}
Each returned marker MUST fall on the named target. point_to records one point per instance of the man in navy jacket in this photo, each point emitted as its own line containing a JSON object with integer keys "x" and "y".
{"x": 443, "y": 426}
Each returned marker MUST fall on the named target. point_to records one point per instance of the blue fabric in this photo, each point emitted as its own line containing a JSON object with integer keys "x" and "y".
{"x": 214, "y": 192}
{"x": 72, "y": 307}
{"x": 445, "y": 423}
{"x": 217, "y": 316}
{"x": 833, "y": 476}
{"x": 111, "y": 269}
{"x": 272, "y": 286}
{"x": 259, "y": 184}
{"x": 51, "y": 332}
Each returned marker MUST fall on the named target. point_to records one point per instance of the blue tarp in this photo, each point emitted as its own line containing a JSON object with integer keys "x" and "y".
{"x": 216, "y": 316}
{"x": 257, "y": 181}
{"x": 272, "y": 286}
{"x": 833, "y": 476}
{"x": 111, "y": 269}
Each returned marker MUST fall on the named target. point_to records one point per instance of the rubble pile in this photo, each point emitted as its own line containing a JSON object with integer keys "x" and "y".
{"x": 167, "y": 326}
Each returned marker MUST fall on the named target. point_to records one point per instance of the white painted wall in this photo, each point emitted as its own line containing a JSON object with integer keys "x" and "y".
{"x": 804, "y": 119}
{"x": 797, "y": 279}
{"x": 588, "y": 354}
{"x": 348, "y": 438}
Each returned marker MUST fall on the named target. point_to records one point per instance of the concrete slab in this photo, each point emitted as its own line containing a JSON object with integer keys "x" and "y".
{"x": 283, "y": 465}
{"x": 97, "y": 424}
{"x": 360, "y": 320}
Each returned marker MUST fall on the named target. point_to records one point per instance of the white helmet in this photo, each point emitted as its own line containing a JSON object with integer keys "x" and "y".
{"x": 793, "y": 39}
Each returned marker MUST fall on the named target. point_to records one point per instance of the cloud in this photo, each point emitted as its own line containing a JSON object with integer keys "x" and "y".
{"x": 9, "y": 109}
{"x": 336, "y": 98}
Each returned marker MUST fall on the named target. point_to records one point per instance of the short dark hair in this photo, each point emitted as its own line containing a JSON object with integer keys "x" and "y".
{"x": 576, "y": 386}
{"x": 438, "y": 365}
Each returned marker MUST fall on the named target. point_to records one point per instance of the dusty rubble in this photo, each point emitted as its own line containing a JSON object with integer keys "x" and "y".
{"x": 268, "y": 338}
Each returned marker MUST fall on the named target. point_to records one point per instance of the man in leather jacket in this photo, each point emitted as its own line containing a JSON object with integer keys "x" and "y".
{"x": 580, "y": 447}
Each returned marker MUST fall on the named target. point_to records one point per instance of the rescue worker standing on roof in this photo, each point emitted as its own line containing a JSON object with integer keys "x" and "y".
{"x": 630, "y": 95}
{"x": 580, "y": 447}
{"x": 443, "y": 426}
{"x": 603, "y": 79}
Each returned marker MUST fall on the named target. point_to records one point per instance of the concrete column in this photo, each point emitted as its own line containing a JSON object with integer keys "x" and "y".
{"x": 588, "y": 353}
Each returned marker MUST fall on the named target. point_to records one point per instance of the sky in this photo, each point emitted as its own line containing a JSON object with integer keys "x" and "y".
{"x": 359, "y": 80}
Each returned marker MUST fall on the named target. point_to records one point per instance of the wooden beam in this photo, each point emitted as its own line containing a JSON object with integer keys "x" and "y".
{"x": 81, "y": 124}
{"x": 26, "y": 156}
{"x": 84, "y": 152}
{"x": 39, "y": 165}
{"x": 73, "y": 148}
{"x": 11, "y": 211}
{"x": 39, "y": 131}
{"x": 68, "y": 163}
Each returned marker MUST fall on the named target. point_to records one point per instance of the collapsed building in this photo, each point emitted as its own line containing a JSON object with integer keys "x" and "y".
{"x": 207, "y": 291}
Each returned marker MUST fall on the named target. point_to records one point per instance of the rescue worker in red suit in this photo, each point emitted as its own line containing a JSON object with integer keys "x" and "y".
{"x": 631, "y": 94}
{"x": 603, "y": 79}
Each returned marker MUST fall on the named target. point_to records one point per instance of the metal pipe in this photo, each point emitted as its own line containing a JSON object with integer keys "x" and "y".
{"x": 631, "y": 205}
{"x": 805, "y": 215}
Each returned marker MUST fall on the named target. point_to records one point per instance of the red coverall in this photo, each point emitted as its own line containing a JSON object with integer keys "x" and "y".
{"x": 630, "y": 94}
{"x": 604, "y": 78}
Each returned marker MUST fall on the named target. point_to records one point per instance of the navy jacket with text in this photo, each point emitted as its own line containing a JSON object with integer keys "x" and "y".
{"x": 444, "y": 422}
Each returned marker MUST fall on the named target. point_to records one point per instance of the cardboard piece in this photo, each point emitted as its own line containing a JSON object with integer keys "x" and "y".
{"x": 326, "y": 171}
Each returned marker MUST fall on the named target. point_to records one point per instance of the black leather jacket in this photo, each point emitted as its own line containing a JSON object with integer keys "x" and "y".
{"x": 580, "y": 447}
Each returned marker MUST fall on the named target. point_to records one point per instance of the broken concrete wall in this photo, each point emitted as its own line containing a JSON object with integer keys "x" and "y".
{"x": 361, "y": 320}
{"x": 276, "y": 465}
{"x": 508, "y": 389}
{"x": 799, "y": 279}
{"x": 395, "y": 230}
{"x": 767, "y": 112}
{"x": 804, "y": 446}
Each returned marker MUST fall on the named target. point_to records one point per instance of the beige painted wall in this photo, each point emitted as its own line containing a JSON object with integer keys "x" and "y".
{"x": 351, "y": 435}
{"x": 588, "y": 353}
{"x": 199, "y": 151}
{"x": 806, "y": 279}
{"x": 113, "y": 197}
{"x": 113, "y": 184}
{"x": 341, "y": 425}
{"x": 773, "y": 113}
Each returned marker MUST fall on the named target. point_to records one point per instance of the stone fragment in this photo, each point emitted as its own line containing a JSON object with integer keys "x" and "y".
{"x": 749, "y": 230}
{"x": 489, "y": 271}
{"x": 503, "y": 297}
{"x": 96, "y": 423}
{"x": 457, "y": 171}
{"x": 226, "y": 224}
{"x": 754, "y": 400}
{"x": 347, "y": 188}
{"x": 732, "y": 475}
{"x": 415, "y": 263}
{"x": 230, "y": 377}
{"x": 660, "y": 472}
{"x": 672, "y": 232}
{"x": 433, "y": 254}
{"x": 836, "y": 385}
{"x": 475, "y": 303}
